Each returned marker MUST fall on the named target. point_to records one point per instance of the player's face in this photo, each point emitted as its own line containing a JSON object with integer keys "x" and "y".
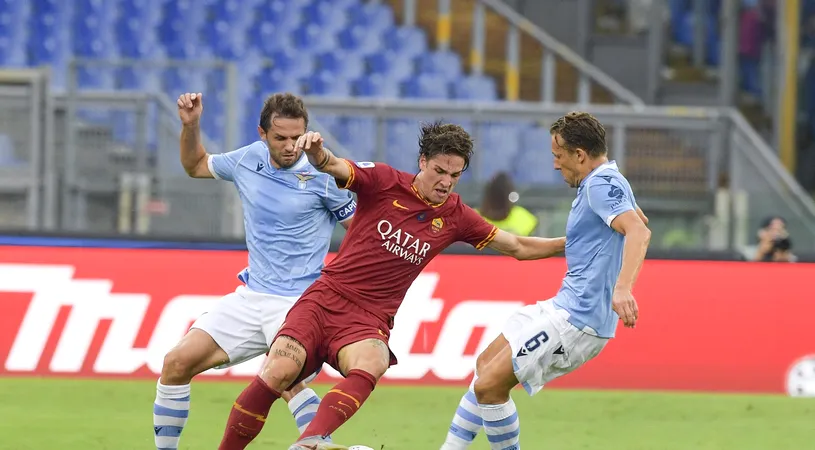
{"x": 281, "y": 137}
{"x": 439, "y": 176}
{"x": 569, "y": 163}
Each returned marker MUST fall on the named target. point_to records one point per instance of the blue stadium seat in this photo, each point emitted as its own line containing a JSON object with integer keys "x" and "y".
{"x": 326, "y": 85}
{"x": 475, "y": 87}
{"x": 329, "y": 16}
{"x": 360, "y": 39}
{"x": 409, "y": 41}
{"x": 444, "y": 63}
{"x": 396, "y": 66}
{"x": 497, "y": 145}
{"x": 358, "y": 136}
{"x": 427, "y": 86}
{"x": 343, "y": 65}
{"x": 271, "y": 80}
{"x": 534, "y": 163}
{"x": 373, "y": 15}
{"x": 313, "y": 39}
{"x": 377, "y": 85}
{"x": 401, "y": 136}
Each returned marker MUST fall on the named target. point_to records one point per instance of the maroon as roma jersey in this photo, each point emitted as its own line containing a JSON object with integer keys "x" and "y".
{"x": 393, "y": 236}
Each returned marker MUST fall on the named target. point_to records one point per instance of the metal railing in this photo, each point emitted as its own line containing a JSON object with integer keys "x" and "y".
{"x": 119, "y": 172}
{"x": 587, "y": 72}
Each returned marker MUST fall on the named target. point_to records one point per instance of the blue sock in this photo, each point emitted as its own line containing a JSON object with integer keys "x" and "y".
{"x": 170, "y": 411}
{"x": 466, "y": 423}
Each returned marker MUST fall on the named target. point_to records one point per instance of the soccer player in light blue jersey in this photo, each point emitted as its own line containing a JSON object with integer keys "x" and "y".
{"x": 290, "y": 211}
{"x": 606, "y": 242}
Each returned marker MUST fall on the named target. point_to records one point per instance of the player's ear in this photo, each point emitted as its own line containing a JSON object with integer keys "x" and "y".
{"x": 422, "y": 162}
{"x": 261, "y": 133}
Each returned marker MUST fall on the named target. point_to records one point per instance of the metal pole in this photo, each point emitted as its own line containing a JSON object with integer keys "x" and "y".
{"x": 409, "y": 12}
{"x": 548, "y": 76}
{"x": 69, "y": 189}
{"x": 443, "y": 26}
{"x": 788, "y": 83}
{"x": 699, "y": 31}
{"x": 35, "y": 142}
{"x": 728, "y": 79}
{"x": 479, "y": 39}
{"x": 512, "y": 80}
{"x": 49, "y": 159}
{"x": 584, "y": 27}
{"x": 655, "y": 48}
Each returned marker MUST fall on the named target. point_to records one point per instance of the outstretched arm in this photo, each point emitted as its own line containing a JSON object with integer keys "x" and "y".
{"x": 525, "y": 248}
{"x": 322, "y": 159}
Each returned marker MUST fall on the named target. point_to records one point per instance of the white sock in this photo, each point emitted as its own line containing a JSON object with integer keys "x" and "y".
{"x": 502, "y": 426}
{"x": 466, "y": 422}
{"x": 303, "y": 407}
{"x": 170, "y": 411}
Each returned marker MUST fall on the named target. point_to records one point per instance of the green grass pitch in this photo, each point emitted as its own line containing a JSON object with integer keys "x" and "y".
{"x": 39, "y": 413}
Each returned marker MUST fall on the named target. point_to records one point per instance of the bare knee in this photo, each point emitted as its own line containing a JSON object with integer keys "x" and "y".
{"x": 177, "y": 368}
{"x": 369, "y": 355}
{"x": 489, "y": 391}
{"x": 283, "y": 365}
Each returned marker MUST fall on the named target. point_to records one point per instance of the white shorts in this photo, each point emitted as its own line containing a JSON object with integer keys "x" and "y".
{"x": 244, "y": 323}
{"x": 546, "y": 346}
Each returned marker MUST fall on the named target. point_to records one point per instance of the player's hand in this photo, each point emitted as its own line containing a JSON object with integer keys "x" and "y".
{"x": 190, "y": 107}
{"x": 625, "y": 306}
{"x": 312, "y": 144}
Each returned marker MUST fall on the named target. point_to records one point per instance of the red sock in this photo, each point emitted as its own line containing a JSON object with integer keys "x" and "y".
{"x": 248, "y": 415}
{"x": 340, "y": 403}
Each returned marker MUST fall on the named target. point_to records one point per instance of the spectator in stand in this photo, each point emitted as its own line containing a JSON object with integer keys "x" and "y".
{"x": 774, "y": 244}
{"x": 498, "y": 207}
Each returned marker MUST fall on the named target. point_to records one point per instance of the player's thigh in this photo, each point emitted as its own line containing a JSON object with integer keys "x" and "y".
{"x": 492, "y": 350}
{"x": 235, "y": 324}
{"x": 298, "y": 348}
{"x": 196, "y": 352}
{"x": 369, "y": 354}
{"x": 497, "y": 377}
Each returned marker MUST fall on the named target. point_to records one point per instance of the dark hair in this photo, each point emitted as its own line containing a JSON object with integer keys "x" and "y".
{"x": 769, "y": 220}
{"x": 285, "y": 105}
{"x": 439, "y": 138}
{"x": 496, "y": 205}
{"x": 581, "y": 130}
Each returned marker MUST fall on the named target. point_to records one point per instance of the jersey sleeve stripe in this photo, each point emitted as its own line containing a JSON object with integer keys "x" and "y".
{"x": 350, "y": 180}
{"x": 487, "y": 239}
{"x": 211, "y": 168}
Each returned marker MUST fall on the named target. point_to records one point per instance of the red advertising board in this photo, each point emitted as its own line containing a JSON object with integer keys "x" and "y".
{"x": 708, "y": 326}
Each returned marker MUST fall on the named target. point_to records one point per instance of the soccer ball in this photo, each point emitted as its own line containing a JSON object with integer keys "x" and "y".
{"x": 359, "y": 447}
{"x": 801, "y": 378}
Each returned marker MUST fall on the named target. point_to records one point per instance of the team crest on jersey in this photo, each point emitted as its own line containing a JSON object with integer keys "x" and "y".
{"x": 303, "y": 178}
{"x": 436, "y": 224}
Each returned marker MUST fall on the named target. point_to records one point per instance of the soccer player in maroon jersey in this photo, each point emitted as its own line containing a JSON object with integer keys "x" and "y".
{"x": 402, "y": 221}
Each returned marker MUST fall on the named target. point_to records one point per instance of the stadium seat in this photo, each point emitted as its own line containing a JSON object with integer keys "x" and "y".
{"x": 427, "y": 86}
{"x": 534, "y": 163}
{"x": 320, "y": 47}
{"x": 475, "y": 87}
{"x": 444, "y": 63}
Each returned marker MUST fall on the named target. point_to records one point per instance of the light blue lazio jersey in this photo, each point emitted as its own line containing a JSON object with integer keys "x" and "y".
{"x": 594, "y": 251}
{"x": 288, "y": 214}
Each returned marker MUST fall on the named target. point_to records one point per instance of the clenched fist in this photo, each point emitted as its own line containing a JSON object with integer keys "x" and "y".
{"x": 190, "y": 107}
